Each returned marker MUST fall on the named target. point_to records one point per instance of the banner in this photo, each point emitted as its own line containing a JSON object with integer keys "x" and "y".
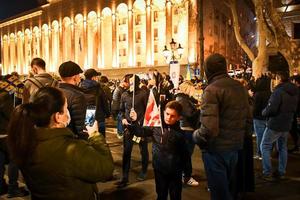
{"x": 175, "y": 73}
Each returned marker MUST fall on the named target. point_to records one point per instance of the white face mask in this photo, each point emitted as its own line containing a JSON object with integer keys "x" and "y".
{"x": 67, "y": 122}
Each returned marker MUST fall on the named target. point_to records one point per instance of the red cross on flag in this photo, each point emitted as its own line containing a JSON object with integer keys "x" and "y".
{"x": 152, "y": 114}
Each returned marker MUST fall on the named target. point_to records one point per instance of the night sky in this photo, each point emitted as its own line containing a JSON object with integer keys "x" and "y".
{"x": 9, "y": 8}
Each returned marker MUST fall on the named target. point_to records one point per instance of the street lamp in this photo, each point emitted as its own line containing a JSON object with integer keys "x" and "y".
{"x": 171, "y": 54}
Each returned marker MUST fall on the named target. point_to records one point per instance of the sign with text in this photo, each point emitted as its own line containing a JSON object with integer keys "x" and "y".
{"x": 174, "y": 73}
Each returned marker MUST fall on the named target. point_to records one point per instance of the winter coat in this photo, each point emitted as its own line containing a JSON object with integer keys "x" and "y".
{"x": 225, "y": 115}
{"x": 95, "y": 95}
{"x": 282, "y": 107}
{"x": 77, "y": 108}
{"x": 116, "y": 99}
{"x": 190, "y": 114}
{"x": 6, "y": 108}
{"x": 65, "y": 168}
{"x": 169, "y": 150}
{"x": 261, "y": 97}
{"x": 140, "y": 103}
{"x": 36, "y": 82}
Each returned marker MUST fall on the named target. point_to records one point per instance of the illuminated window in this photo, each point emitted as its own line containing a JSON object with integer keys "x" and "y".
{"x": 138, "y": 37}
{"x": 155, "y": 34}
{"x": 155, "y": 62}
{"x": 155, "y": 17}
{"x": 138, "y": 50}
{"x": 175, "y": 29}
{"x": 138, "y": 20}
{"x": 155, "y": 48}
{"x": 139, "y": 64}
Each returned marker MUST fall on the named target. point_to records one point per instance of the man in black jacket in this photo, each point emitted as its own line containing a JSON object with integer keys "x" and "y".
{"x": 169, "y": 151}
{"x": 225, "y": 119}
{"x": 140, "y": 103}
{"x": 70, "y": 75}
{"x": 95, "y": 96}
{"x": 280, "y": 112}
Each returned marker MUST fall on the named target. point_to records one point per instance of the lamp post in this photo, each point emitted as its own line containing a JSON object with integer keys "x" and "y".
{"x": 175, "y": 53}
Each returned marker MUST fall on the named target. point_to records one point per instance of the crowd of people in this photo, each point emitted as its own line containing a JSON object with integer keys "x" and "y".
{"x": 44, "y": 134}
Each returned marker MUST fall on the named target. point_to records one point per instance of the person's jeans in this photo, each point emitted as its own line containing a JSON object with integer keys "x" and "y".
{"x": 168, "y": 183}
{"x": 268, "y": 139}
{"x": 127, "y": 149}
{"x": 120, "y": 128}
{"x": 259, "y": 128}
{"x": 190, "y": 146}
{"x": 220, "y": 168}
{"x": 102, "y": 128}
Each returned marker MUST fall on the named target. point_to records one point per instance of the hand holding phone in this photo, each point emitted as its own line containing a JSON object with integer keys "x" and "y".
{"x": 92, "y": 130}
{"x": 90, "y": 115}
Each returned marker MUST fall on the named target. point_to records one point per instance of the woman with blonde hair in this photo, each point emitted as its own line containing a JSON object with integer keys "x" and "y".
{"x": 188, "y": 123}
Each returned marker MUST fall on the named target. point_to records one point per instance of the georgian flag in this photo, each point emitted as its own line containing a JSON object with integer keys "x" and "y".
{"x": 152, "y": 114}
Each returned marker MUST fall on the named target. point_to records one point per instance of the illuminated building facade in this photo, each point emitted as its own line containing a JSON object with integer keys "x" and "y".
{"x": 108, "y": 35}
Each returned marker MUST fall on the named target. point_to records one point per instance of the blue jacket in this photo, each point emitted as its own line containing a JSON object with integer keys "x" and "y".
{"x": 281, "y": 107}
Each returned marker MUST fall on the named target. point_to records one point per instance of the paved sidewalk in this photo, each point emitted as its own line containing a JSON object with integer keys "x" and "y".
{"x": 145, "y": 190}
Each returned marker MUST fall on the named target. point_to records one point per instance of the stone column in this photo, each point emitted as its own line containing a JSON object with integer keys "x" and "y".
{"x": 72, "y": 41}
{"x": 85, "y": 43}
{"x": 99, "y": 53}
{"x": 149, "y": 35}
{"x": 169, "y": 23}
{"x": 114, "y": 41}
{"x": 130, "y": 39}
{"x": 50, "y": 49}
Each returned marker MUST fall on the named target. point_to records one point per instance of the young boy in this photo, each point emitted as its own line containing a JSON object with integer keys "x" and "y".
{"x": 169, "y": 151}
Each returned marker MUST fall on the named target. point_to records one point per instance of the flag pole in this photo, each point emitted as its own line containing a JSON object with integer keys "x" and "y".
{"x": 133, "y": 91}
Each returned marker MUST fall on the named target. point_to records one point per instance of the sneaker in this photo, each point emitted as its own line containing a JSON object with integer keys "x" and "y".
{"x": 268, "y": 178}
{"x": 20, "y": 192}
{"x": 141, "y": 177}
{"x": 119, "y": 136}
{"x": 122, "y": 183}
{"x": 192, "y": 182}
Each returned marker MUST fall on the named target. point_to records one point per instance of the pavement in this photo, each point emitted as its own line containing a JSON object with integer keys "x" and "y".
{"x": 145, "y": 190}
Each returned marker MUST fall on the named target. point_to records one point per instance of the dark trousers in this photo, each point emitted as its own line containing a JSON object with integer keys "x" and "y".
{"x": 188, "y": 168}
{"x": 295, "y": 133}
{"x": 220, "y": 170}
{"x": 102, "y": 128}
{"x": 13, "y": 174}
{"x": 168, "y": 183}
{"x": 127, "y": 149}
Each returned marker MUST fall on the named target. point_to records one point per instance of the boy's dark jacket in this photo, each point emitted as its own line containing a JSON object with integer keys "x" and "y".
{"x": 169, "y": 149}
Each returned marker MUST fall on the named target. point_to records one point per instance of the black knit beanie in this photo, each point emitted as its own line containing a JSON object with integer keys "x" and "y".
{"x": 215, "y": 64}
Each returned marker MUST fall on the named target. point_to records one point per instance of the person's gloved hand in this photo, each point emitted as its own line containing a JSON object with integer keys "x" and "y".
{"x": 200, "y": 139}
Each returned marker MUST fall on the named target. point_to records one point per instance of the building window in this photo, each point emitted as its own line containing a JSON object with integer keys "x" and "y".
{"x": 122, "y": 37}
{"x": 155, "y": 34}
{"x": 217, "y": 15}
{"x": 138, "y": 50}
{"x": 296, "y": 30}
{"x": 175, "y": 29}
{"x": 216, "y": 47}
{"x": 122, "y": 52}
{"x": 223, "y": 34}
{"x": 138, "y": 37}
{"x": 155, "y": 17}
{"x": 210, "y": 48}
{"x": 138, "y": 20}
{"x": 155, "y": 48}
{"x": 139, "y": 64}
{"x": 155, "y": 62}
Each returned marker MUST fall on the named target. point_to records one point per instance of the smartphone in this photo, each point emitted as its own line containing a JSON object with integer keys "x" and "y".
{"x": 90, "y": 115}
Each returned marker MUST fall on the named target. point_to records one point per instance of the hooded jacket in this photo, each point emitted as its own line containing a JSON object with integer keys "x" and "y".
{"x": 281, "y": 107}
{"x": 95, "y": 95}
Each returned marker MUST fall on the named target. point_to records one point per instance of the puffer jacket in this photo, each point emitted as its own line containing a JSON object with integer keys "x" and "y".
{"x": 6, "y": 108}
{"x": 94, "y": 94}
{"x": 169, "y": 150}
{"x": 65, "y": 168}
{"x": 39, "y": 80}
{"x": 281, "y": 107}
{"x": 225, "y": 115}
{"x": 77, "y": 108}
